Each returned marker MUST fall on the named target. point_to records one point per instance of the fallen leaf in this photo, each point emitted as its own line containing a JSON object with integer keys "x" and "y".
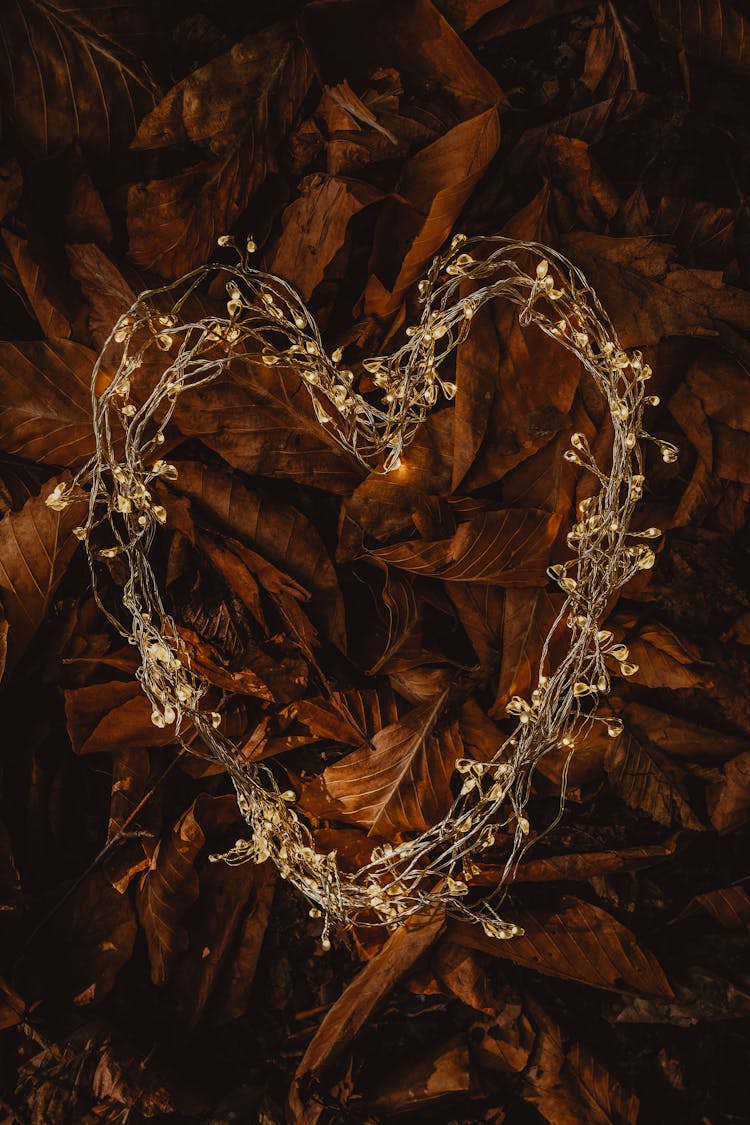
{"x": 577, "y": 942}
{"x": 644, "y": 778}
{"x": 567, "y": 1084}
{"x": 730, "y": 906}
{"x": 350, "y": 1011}
{"x": 36, "y": 546}
{"x": 109, "y": 716}
{"x": 228, "y": 118}
{"x": 716, "y": 31}
{"x": 46, "y": 388}
{"x": 315, "y": 227}
{"x": 171, "y": 885}
{"x": 508, "y": 548}
{"x": 400, "y": 781}
{"x": 441, "y": 1071}
{"x": 278, "y": 531}
{"x": 68, "y": 77}
{"x": 649, "y": 296}
{"x": 728, "y": 800}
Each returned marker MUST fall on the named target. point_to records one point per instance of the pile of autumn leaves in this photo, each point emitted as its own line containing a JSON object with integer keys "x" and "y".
{"x": 368, "y": 630}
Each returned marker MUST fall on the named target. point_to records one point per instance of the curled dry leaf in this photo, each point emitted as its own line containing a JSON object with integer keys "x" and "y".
{"x": 171, "y": 884}
{"x": 584, "y": 865}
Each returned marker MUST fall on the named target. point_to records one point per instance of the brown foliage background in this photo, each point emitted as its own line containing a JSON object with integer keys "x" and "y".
{"x": 370, "y": 630}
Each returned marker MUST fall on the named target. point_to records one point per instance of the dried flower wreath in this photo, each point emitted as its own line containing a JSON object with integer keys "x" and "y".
{"x": 267, "y": 321}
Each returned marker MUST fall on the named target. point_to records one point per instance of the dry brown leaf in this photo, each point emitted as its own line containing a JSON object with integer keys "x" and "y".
{"x": 67, "y": 76}
{"x": 12, "y": 1006}
{"x": 585, "y": 865}
{"x": 527, "y": 619}
{"x": 277, "y": 531}
{"x": 729, "y": 799}
{"x": 703, "y": 232}
{"x": 435, "y": 182}
{"x": 350, "y": 717}
{"x": 261, "y": 421}
{"x": 663, "y": 660}
{"x": 568, "y": 1085}
{"x": 88, "y": 940}
{"x": 480, "y": 611}
{"x": 509, "y": 547}
{"x": 106, "y": 291}
{"x": 714, "y": 30}
{"x": 730, "y": 906}
{"x": 314, "y": 229}
{"x": 46, "y": 392}
{"x": 607, "y": 118}
{"x": 577, "y": 942}
{"x": 679, "y": 738}
{"x": 399, "y": 782}
{"x": 504, "y": 412}
{"x": 42, "y": 285}
{"x": 387, "y": 508}
{"x": 609, "y": 63}
{"x": 711, "y": 407}
{"x": 229, "y": 118}
{"x": 36, "y": 546}
{"x": 171, "y": 884}
{"x": 224, "y": 912}
{"x": 507, "y": 16}
{"x": 644, "y": 778}
{"x": 112, "y": 716}
{"x": 234, "y": 990}
{"x": 584, "y": 197}
{"x": 442, "y": 1070}
{"x": 351, "y": 1010}
{"x": 648, "y": 296}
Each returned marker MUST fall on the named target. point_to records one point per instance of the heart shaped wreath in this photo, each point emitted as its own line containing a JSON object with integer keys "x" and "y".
{"x": 266, "y": 321}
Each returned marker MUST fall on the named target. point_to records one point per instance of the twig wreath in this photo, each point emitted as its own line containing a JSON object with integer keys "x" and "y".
{"x": 267, "y": 321}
